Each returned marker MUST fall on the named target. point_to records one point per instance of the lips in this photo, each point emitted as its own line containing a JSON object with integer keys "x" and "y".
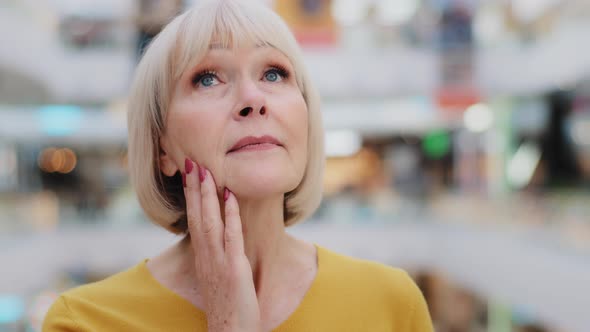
{"x": 251, "y": 140}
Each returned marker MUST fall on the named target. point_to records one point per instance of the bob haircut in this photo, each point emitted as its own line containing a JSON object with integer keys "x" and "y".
{"x": 182, "y": 44}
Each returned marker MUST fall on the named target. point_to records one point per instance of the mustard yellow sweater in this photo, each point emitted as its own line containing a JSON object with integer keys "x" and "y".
{"x": 347, "y": 295}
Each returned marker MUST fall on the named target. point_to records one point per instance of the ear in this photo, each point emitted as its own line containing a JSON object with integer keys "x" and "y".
{"x": 167, "y": 164}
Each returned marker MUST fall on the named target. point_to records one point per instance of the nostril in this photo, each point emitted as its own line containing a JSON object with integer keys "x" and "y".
{"x": 263, "y": 111}
{"x": 246, "y": 111}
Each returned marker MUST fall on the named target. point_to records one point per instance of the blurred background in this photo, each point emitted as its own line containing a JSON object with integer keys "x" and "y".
{"x": 457, "y": 135}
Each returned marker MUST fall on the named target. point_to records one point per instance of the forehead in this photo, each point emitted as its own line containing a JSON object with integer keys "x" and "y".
{"x": 218, "y": 44}
{"x": 221, "y": 51}
{"x": 198, "y": 34}
{"x": 258, "y": 49}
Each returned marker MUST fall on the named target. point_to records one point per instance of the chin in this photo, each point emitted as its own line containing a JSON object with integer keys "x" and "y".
{"x": 263, "y": 181}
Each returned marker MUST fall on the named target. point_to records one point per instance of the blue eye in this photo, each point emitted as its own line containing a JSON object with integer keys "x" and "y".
{"x": 276, "y": 74}
{"x": 205, "y": 79}
{"x": 272, "y": 76}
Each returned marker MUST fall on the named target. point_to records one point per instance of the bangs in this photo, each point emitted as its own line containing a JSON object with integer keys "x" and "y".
{"x": 181, "y": 45}
{"x": 227, "y": 24}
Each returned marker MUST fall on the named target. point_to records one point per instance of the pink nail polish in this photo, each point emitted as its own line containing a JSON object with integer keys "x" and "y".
{"x": 225, "y": 194}
{"x": 202, "y": 173}
{"x": 188, "y": 165}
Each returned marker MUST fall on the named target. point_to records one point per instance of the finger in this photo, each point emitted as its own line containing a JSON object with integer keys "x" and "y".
{"x": 192, "y": 194}
{"x": 211, "y": 223}
{"x": 233, "y": 237}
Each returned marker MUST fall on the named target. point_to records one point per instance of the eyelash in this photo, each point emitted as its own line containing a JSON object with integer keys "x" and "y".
{"x": 281, "y": 70}
{"x": 206, "y": 72}
{"x": 199, "y": 76}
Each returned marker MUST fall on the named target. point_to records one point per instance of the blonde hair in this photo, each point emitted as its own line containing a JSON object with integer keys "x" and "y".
{"x": 182, "y": 43}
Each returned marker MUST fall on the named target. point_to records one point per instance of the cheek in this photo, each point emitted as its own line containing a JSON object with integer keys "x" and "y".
{"x": 298, "y": 122}
{"x": 196, "y": 130}
{"x": 302, "y": 122}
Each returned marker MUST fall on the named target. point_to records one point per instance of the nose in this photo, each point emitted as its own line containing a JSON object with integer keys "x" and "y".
{"x": 247, "y": 110}
{"x": 252, "y": 101}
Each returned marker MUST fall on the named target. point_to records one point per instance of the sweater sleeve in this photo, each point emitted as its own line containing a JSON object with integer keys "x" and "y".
{"x": 59, "y": 318}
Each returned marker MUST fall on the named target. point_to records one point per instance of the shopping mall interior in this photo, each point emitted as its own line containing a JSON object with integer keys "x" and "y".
{"x": 466, "y": 123}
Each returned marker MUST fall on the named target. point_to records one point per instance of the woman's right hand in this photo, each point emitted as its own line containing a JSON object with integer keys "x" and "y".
{"x": 222, "y": 268}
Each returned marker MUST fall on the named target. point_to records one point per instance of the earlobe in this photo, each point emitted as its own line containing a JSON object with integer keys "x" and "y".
{"x": 167, "y": 164}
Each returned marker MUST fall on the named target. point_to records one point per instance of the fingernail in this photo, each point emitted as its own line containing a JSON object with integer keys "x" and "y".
{"x": 225, "y": 194}
{"x": 188, "y": 165}
{"x": 202, "y": 173}
{"x": 184, "y": 180}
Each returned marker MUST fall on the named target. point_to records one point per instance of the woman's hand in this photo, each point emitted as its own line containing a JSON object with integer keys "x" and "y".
{"x": 222, "y": 268}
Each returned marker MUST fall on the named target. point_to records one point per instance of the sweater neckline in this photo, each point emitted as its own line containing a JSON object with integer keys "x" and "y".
{"x": 307, "y": 297}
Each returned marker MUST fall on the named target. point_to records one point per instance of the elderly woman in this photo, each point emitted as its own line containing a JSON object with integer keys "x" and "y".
{"x": 225, "y": 148}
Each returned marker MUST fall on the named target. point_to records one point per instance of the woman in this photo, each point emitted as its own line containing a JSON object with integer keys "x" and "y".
{"x": 225, "y": 147}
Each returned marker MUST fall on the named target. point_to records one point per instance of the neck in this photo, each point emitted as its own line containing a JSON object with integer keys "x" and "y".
{"x": 265, "y": 239}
